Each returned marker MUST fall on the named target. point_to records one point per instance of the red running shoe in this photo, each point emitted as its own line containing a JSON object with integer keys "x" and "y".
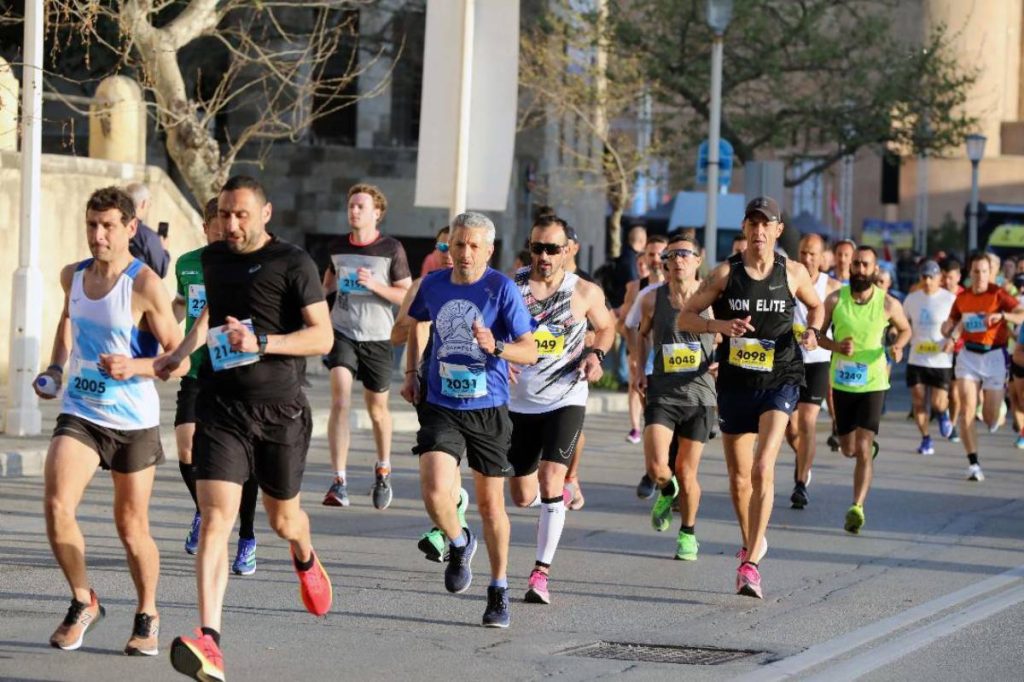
{"x": 314, "y": 586}
{"x": 198, "y": 657}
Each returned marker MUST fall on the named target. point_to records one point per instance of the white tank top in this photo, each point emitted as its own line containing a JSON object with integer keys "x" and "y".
{"x": 105, "y": 325}
{"x": 800, "y": 323}
{"x": 554, "y": 382}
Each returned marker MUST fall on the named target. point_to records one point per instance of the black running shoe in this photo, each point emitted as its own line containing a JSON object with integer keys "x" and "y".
{"x": 645, "y": 488}
{"x": 799, "y": 498}
{"x": 497, "y": 614}
{"x": 458, "y": 575}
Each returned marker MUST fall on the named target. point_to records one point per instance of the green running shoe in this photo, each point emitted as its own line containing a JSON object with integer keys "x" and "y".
{"x": 686, "y": 547}
{"x": 854, "y": 519}
{"x": 434, "y": 545}
{"x": 661, "y": 512}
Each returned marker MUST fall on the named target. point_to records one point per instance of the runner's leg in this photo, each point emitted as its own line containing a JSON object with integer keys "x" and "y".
{"x": 70, "y": 465}
{"x": 132, "y": 493}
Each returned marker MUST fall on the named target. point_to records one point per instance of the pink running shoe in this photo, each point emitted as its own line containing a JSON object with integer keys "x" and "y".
{"x": 748, "y": 581}
{"x": 742, "y": 554}
{"x": 538, "y": 588}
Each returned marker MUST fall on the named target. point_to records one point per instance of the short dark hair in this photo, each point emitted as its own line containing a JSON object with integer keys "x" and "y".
{"x": 950, "y": 264}
{"x": 444, "y": 230}
{"x": 978, "y": 255}
{"x": 111, "y": 197}
{"x": 871, "y": 249}
{"x": 237, "y": 182}
{"x": 684, "y": 236}
{"x": 739, "y": 237}
{"x": 542, "y": 211}
{"x": 657, "y": 239}
{"x": 549, "y": 219}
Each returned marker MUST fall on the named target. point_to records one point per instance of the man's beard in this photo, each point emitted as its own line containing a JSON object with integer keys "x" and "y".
{"x": 860, "y": 283}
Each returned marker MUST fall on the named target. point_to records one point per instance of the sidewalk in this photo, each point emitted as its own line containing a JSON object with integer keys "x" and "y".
{"x": 24, "y": 456}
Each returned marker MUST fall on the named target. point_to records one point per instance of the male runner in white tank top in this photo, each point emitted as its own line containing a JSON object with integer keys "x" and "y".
{"x": 118, "y": 310}
{"x": 803, "y": 422}
{"x": 547, "y": 400}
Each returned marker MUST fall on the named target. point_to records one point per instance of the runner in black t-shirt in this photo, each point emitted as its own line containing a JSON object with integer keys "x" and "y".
{"x": 369, "y": 273}
{"x": 265, "y": 313}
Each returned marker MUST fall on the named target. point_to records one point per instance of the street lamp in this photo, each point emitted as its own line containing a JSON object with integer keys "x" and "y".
{"x": 719, "y": 15}
{"x": 975, "y": 150}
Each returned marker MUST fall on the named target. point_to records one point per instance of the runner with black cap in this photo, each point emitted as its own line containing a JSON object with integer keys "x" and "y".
{"x": 760, "y": 369}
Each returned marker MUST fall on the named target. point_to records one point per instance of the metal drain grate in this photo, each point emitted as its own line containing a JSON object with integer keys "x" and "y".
{"x": 659, "y": 653}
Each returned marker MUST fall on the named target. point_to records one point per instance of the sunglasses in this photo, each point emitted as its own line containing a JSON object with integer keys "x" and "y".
{"x": 442, "y": 247}
{"x": 677, "y": 253}
{"x": 538, "y": 248}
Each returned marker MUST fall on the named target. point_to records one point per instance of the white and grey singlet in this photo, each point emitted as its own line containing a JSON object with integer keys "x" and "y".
{"x": 106, "y": 325}
{"x": 819, "y": 354}
{"x": 554, "y": 382}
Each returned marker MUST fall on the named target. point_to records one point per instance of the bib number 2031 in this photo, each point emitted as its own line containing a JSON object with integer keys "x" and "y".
{"x": 459, "y": 381}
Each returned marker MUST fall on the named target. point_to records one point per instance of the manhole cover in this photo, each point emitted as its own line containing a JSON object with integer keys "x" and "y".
{"x": 659, "y": 653}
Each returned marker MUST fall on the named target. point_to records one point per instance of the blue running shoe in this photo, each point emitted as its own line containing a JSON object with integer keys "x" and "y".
{"x": 245, "y": 559}
{"x": 945, "y": 425}
{"x": 497, "y": 614}
{"x": 458, "y": 574}
{"x": 926, "y": 447}
{"x": 1020, "y": 442}
{"x": 192, "y": 539}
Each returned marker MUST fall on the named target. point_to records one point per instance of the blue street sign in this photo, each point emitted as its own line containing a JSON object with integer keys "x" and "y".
{"x": 725, "y": 157}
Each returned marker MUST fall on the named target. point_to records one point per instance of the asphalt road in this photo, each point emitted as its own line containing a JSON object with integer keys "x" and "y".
{"x": 931, "y": 589}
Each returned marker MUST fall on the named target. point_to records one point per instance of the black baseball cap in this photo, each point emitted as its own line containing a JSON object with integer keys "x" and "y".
{"x": 570, "y": 233}
{"x": 766, "y": 206}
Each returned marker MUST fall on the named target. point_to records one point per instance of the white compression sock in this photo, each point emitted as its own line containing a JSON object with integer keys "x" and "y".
{"x": 549, "y": 529}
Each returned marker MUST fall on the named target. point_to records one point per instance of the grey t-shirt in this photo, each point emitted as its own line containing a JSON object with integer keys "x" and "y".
{"x": 681, "y": 359}
{"x": 358, "y": 313}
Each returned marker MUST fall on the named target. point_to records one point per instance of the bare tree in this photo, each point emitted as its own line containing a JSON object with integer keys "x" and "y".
{"x": 272, "y": 65}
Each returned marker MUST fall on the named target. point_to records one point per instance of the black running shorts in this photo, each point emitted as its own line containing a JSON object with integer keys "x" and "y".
{"x": 125, "y": 452}
{"x": 549, "y": 436}
{"x": 369, "y": 361}
{"x": 484, "y": 435}
{"x": 740, "y": 410}
{"x": 692, "y": 422}
{"x": 857, "y": 410}
{"x": 185, "y": 408}
{"x": 235, "y": 440}
{"x": 936, "y": 377}
{"x": 816, "y": 385}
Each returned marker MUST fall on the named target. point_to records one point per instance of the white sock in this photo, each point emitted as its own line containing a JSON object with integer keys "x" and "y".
{"x": 536, "y": 501}
{"x": 549, "y": 529}
{"x": 340, "y": 473}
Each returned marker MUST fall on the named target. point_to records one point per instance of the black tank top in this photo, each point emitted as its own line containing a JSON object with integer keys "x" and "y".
{"x": 681, "y": 359}
{"x": 767, "y": 357}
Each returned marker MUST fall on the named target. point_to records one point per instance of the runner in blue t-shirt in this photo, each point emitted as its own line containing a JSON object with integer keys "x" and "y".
{"x": 480, "y": 322}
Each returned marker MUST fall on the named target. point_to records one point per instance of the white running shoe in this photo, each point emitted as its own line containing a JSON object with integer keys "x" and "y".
{"x": 974, "y": 473}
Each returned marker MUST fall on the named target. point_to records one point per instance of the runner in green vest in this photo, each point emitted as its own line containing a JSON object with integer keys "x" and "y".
{"x": 859, "y": 313}
{"x": 189, "y": 304}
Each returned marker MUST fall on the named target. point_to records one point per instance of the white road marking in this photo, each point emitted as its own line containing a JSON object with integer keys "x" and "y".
{"x": 905, "y": 643}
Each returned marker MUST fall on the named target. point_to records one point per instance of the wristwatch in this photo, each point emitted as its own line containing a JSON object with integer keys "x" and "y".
{"x": 261, "y": 340}
{"x": 596, "y": 351}
{"x": 499, "y": 348}
{"x": 817, "y": 332}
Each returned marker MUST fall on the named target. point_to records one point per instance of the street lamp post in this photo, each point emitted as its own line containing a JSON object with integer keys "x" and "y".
{"x": 719, "y": 15}
{"x": 975, "y": 150}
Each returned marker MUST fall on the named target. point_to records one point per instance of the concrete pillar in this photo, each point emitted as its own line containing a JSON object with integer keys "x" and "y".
{"x": 117, "y": 122}
{"x": 9, "y": 92}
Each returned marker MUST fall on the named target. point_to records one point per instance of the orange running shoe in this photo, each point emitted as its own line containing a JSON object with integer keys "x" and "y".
{"x": 198, "y": 657}
{"x": 314, "y": 586}
{"x": 79, "y": 619}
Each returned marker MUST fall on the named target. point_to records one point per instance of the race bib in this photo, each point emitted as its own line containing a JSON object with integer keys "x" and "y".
{"x": 849, "y": 373}
{"x": 196, "y": 300}
{"x": 93, "y": 385}
{"x": 757, "y": 355}
{"x": 348, "y": 283}
{"x": 975, "y": 323}
{"x": 548, "y": 343}
{"x": 927, "y": 348}
{"x": 459, "y": 381}
{"x": 221, "y": 354}
{"x": 680, "y": 357}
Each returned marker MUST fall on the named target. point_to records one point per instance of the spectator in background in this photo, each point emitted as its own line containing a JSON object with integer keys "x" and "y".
{"x": 627, "y": 268}
{"x": 435, "y": 259}
{"x": 147, "y": 245}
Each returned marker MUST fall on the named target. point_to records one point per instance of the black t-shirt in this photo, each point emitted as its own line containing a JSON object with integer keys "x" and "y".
{"x": 270, "y": 286}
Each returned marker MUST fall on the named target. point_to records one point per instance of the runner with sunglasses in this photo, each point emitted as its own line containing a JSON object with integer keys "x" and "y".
{"x": 680, "y": 393}
{"x": 760, "y": 369}
{"x": 548, "y": 400}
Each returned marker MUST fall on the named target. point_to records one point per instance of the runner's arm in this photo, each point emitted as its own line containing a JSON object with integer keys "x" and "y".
{"x": 711, "y": 287}
{"x": 330, "y": 280}
{"x": 178, "y": 306}
{"x": 61, "y": 338}
{"x": 393, "y": 293}
{"x": 601, "y": 319}
{"x": 522, "y": 351}
{"x": 898, "y": 319}
{"x": 823, "y": 340}
{"x": 159, "y": 315}
{"x": 803, "y": 289}
{"x": 315, "y": 338}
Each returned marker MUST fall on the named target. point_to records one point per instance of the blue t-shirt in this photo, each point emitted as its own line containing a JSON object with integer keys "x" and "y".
{"x": 460, "y": 376}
